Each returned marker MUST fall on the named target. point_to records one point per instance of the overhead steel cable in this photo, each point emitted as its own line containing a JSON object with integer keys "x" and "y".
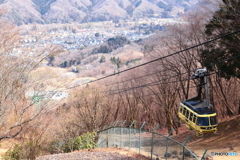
{"x": 153, "y": 83}
{"x": 152, "y": 94}
{"x": 143, "y": 64}
{"x": 169, "y": 82}
{"x": 162, "y": 71}
{"x": 138, "y": 77}
{"x": 185, "y": 88}
{"x": 157, "y": 82}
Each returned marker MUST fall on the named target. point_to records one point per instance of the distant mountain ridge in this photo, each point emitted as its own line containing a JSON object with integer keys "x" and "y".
{"x": 67, "y": 11}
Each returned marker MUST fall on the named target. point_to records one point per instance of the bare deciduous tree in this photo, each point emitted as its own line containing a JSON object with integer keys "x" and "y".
{"x": 16, "y": 109}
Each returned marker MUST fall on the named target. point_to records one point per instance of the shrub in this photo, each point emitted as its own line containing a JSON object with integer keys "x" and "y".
{"x": 85, "y": 141}
{"x": 103, "y": 59}
{"x": 13, "y": 154}
{"x": 28, "y": 150}
{"x": 54, "y": 147}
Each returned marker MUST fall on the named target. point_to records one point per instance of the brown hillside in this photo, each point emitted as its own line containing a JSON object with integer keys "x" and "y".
{"x": 228, "y": 136}
{"x": 227, "y": 140}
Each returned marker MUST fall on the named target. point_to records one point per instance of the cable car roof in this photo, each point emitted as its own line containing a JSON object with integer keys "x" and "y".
{"x": 201, "y": 111}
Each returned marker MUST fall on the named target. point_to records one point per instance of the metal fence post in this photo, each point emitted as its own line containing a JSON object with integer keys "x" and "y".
{"x": 108, "y": 135}
{"x": 115, "y": 123}
{"x": 104, "y": 127}
{"x": 184, "y": 144}
{"x": 122, "y": 133}
{"x": 166, "y": 154}
{"x": 114, "y": 134}
{"x": 204, "y": 154}
{"x": 152, "y": 144}
{"x": 102, "y": 132}
{"x": 140, "y": 131}
{"x": 129, "y": 145}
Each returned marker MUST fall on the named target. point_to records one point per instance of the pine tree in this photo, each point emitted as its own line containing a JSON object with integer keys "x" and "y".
{"x": 224, "y": 21}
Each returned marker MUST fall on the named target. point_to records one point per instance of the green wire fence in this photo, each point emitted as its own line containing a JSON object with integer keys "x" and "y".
{"x": 148, "y": 143}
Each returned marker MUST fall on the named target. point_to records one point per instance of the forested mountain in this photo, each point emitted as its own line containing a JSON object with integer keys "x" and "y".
{"x": 66, "y": 11}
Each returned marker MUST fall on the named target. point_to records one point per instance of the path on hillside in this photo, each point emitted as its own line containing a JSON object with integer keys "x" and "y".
{"x": 96, "y": 154}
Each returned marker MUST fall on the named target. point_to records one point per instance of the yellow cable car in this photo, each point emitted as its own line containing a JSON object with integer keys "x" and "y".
{"x": 197, "y": 112}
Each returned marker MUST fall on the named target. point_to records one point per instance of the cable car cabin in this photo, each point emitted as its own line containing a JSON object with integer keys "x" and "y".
{"x": 203, "y": 120}
{"x": 197, "y": 112}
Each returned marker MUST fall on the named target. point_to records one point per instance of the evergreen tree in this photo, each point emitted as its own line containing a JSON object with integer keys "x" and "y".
{"x": 224, "y": 21}
{"x": 116, "y": 61}
{"x": 103, "y": 59}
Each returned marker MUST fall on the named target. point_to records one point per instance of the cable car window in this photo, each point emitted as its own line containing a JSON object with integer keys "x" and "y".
{"x": 191, "y": 116}
{"x": 203, "y": 121}
{"x": 187, "y": 113}
{"x": 181, "y": 109}
{"x": 194, "y": 118}
{"x": 213, "y": 120}
{"x": 184, "y": 111}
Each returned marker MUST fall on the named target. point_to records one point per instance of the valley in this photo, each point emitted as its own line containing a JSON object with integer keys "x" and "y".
{"x": 70, "y": 68}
